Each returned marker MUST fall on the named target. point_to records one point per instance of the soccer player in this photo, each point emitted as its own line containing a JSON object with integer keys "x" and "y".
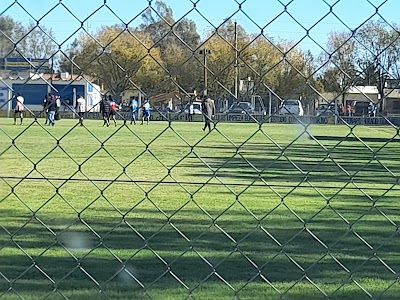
{"x": 81, "y": 108}
{"x": 113, "y": 109}
{"x": 19, "y": 109}
{"x": 105, "y": 110}
{"x": 134, "y": 106}
{"x": 146, "y": 112}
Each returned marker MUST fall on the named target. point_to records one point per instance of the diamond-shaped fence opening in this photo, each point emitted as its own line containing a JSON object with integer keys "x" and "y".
{"x": 230, "y": 149}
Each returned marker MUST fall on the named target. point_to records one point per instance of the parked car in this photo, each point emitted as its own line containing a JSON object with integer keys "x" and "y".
{"x": 241, "y": 108}
{"x": 293, "y": 107}
{"x": 360, "y": 108}
{"x": 326, "y": 109}
{"x": 196, "y": 108}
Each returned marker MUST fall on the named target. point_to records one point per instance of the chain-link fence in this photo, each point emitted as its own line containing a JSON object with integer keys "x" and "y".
{"x": 198, "y": 149}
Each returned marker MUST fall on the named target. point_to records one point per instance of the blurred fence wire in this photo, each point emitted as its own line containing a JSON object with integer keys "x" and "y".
{"x": 316, "y": 215}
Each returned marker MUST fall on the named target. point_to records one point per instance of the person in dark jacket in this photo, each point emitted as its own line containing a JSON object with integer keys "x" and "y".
{"x": 51, "y": 106}
{"x": 105, "y": 110}
{"x": 208, "y": 108}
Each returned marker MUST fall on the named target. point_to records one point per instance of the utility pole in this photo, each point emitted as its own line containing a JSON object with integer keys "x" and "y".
{"x": 205, "y": 52}
{"x": 236, "y": 65}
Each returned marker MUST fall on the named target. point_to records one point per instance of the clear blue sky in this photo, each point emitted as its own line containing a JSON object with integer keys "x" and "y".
{"x": 260, "y": 12}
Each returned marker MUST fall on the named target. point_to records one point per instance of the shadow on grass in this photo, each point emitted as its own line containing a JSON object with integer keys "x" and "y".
{"x": 112, "y": 256}
{"x": 300, "y": 161}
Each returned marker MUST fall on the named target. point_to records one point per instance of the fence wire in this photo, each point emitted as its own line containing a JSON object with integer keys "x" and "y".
{"x": 290, "y": 193}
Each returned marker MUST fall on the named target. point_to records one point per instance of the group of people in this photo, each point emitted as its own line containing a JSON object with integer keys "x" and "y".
{"x": 51, "y": 105}
{"x": 109, "y": 109}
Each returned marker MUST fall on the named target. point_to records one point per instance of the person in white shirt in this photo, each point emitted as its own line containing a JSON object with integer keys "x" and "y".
{"x": 81, "y": 108}
{"x": 19, "y": 109}
{"x": 146, "y": 112}
{"x": 191, "y": 112}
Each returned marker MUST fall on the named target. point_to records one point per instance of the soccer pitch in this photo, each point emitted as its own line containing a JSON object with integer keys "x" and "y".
{"x": 167, "y": 211}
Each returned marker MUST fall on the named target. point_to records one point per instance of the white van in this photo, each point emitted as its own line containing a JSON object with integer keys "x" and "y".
{"x": 293, "y": 107}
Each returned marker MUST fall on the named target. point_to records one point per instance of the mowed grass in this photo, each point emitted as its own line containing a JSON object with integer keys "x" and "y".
{"x": 167, "y": 211}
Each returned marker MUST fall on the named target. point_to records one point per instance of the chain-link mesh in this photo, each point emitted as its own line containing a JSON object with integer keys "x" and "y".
{"x": 289, "y": 192}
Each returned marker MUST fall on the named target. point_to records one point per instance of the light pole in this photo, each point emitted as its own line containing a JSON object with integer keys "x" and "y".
{"x": 205, "y": 52}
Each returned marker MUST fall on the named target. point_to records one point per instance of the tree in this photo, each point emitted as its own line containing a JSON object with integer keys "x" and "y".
{"x": 226, "y": 48}
{"x": 377, "y": 54}
{"x": 177, "y": 41}
{"x": 67, "y": 60}
{"x": 10, "y": 33}
{"x": 38, "y": 42}
{"x": 340, "y": 72}
{"x": 120, "y": 59}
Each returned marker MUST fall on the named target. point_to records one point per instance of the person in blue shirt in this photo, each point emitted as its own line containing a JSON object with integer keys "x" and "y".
{"x": 133, "y": 104}
{"x": 146, "y": 111}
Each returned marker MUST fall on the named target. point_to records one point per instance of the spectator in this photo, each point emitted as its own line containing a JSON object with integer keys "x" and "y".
{"x": 19, "y": 109}
{"x": 349, "y": 110}
{"x": 81, "y": 108}
{"x": 208, "y": 108}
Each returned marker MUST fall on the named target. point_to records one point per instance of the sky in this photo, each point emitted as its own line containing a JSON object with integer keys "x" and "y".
{"x": 319, "y": 17}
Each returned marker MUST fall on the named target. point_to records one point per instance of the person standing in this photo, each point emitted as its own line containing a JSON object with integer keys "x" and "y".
{"x": 208, "y": 108}
{"x": 105, "y": 110}
{"x": 51, "y": 110}
{"x": 133, "y": 106}
{"x": 349, "y": 110}
{"x": 191, "y": 112}
{"x": 19, "y": 109}
{"x": 45, "y": 103}
{"x": 58, "y": 106}
{"x": 81, "y": 108}
{"x": 146, "y": 111}
{"x": 113, "y": 109}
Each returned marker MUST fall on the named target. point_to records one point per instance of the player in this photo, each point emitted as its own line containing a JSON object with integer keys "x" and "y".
{"x": 146, "y": 112}
{"x": 133, "y": 106}
{"x": 113, "y": 109}
{"x": 105, "y": 110}
{"x": 19, "y": 109}
{"x": 81, "y": 108}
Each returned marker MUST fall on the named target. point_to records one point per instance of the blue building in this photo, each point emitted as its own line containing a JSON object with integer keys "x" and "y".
{"x": 34, "y": 87}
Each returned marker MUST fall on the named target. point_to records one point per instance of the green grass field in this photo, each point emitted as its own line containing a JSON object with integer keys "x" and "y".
{"x": 170, "y": 212}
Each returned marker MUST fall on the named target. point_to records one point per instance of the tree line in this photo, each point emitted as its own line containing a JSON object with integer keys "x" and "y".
{"x": 163, "y": 54}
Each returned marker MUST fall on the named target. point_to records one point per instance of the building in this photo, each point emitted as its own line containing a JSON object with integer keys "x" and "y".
{"x": 34, "y": 87}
